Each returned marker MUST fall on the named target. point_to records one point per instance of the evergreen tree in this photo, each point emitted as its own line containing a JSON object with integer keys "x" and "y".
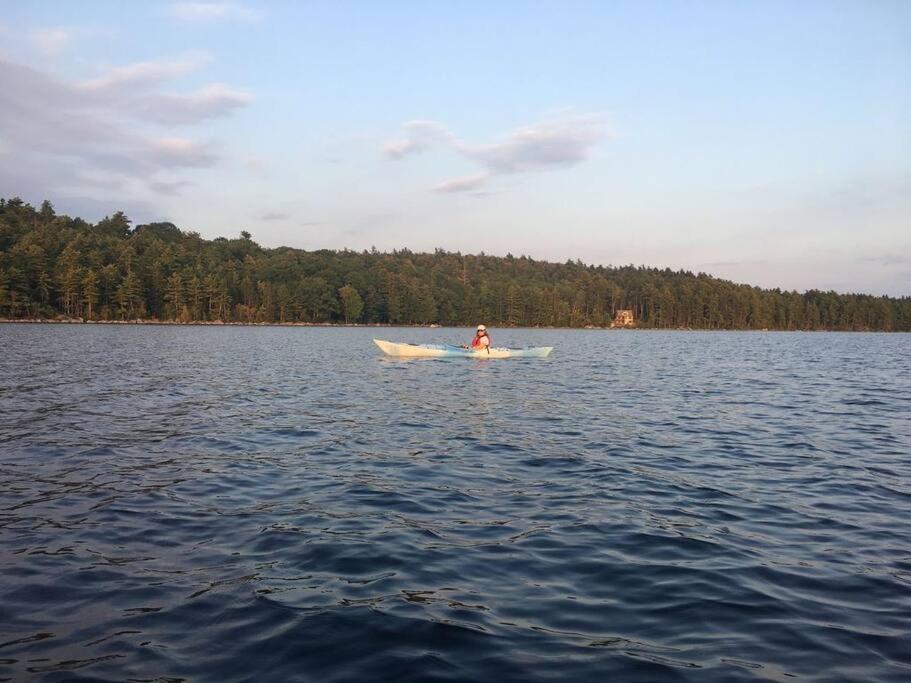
{"x": 90, "y": 293}
{"x": 174, "y": 295}
{"x": 52, "y": 264}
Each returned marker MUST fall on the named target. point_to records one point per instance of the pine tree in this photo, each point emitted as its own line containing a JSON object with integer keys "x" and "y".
{"x": 51, "y": 263}
{"x": 174, "y": 295}
{"x": 90, "y": 293}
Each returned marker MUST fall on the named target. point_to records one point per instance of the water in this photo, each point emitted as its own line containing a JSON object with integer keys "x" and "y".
{"x": 227, "y": 504}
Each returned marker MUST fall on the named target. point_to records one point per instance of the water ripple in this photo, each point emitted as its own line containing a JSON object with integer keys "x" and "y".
{"x": 238, "y": 504}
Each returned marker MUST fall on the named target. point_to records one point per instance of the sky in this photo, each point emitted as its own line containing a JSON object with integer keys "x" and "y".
{"x": 763, "y": 142}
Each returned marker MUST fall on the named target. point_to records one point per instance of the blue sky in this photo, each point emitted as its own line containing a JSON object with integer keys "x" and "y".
{"x": 764, "y": 142}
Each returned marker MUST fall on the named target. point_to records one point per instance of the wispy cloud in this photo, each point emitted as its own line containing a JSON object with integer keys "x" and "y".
{"x": 135, "y": 89}
{"x": 127, "y": 78}
{"x": 210, "y": 102}
{"x": 213, "y": 11}
{"x": 463, "y": 184}
{"x": 553, "y": 144}
{"x": 275, "y": 216}
{"x": 419, "y": 136}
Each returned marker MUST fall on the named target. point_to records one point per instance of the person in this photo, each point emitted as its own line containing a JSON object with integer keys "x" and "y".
{"x": 481, "y": 340}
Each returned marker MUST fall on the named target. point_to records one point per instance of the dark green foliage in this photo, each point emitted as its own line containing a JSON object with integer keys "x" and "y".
{"x": 54, "y": 265}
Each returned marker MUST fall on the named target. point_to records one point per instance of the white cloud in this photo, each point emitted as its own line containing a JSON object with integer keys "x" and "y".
{"x": 213, "y": 11}
{"x": 463, "y": 184}
{"x": 143, "y": 75}
{"x": 558, "y": 143}
{"x": 132, "y": 90}
{"x": 52, "y": 40}
{"x": 543, "y": 146}
{"x": 135, "y": 89}
{"x": 209, "y": 102}
{"x": 419, "y": 135}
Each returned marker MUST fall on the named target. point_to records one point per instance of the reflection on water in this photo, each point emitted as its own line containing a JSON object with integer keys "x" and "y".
{"x": 284, "y": 503}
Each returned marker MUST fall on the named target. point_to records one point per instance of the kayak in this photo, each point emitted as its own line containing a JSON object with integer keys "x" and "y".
{"x": 449, "y": 351}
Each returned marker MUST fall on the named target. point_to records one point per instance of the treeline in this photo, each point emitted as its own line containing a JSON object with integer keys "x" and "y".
{"x": 56, "y": 266}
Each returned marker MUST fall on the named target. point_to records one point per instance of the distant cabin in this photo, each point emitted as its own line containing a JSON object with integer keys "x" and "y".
{"x": 623, "y": 318}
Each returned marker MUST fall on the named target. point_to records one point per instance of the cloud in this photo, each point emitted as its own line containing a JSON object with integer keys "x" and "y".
{"x": 134, "y": 88}
{"x": 256, "y": 164}
{"x": 130, "y": 77}
{"x": 463, "y": 184}
{"x": 543, "y": 146}
{"x": 888, "y": 259}
{"x": 419, "y": 136}
{"x": 170, "y": 187}
{"x": 554, "y": 144}
{"x": 210, "y": 102}
{"x": 181, "y": 152}
{"x": 275, "y": 216}
{"x": 43, "y": 118}
{"x": 86, "y": 139}
{"x": 52, "y": 40}
{"x": 212, "y": 11}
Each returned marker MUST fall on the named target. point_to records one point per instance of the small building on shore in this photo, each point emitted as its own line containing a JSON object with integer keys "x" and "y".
{"x": 623, "y": 318}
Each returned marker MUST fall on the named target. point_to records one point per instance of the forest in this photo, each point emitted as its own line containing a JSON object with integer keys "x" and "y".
{"x": 54, "y": 267}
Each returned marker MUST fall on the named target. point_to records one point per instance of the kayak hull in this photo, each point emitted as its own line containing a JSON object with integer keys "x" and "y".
{"x": 447, "y": 351}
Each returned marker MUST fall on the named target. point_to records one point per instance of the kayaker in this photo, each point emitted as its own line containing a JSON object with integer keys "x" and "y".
{"x": 481, "y": 339}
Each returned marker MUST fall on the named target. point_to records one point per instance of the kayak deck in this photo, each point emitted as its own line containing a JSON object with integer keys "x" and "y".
{"x": 449, "y": 351}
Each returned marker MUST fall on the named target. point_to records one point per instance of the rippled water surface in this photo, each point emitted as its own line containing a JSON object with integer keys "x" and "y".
{"x": 228, "y": 504}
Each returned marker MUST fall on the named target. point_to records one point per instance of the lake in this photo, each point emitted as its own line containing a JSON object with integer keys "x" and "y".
{"x": 268, "y": 503}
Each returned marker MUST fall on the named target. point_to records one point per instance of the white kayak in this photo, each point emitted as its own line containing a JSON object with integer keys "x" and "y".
{"x": 448, "y": 351}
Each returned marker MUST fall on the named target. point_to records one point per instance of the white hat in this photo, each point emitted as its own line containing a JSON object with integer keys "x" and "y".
{"x": 481, "y": 328}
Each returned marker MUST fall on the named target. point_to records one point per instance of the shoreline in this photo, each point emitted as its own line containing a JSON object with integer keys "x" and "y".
{"x": 234, "y": 323}
{"x": 222, "y": 323}
{"x": 195, "y": 323}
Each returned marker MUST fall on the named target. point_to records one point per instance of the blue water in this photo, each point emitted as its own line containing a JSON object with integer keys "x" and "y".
{"x": 237, "y": 504}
